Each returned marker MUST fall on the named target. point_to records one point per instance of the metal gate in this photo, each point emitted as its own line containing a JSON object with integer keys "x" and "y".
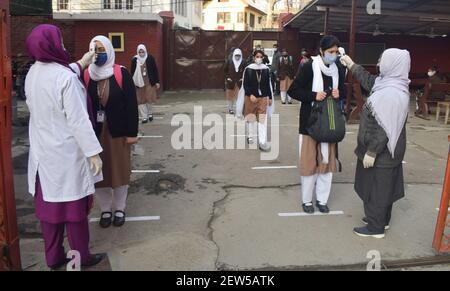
{"x": 196, "y": 58}
{"x": 9, "y": 238}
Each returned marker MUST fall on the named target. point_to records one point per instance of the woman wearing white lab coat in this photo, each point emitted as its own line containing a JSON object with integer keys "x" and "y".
{"x": 64, "y": 162}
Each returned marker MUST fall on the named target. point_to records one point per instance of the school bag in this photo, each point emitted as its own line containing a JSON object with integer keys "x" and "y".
{"x": 117, "y": 75}
{"x": 327, "y": 121}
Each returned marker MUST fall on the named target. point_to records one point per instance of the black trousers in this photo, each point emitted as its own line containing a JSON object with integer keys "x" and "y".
{"x": 377, "y": 217}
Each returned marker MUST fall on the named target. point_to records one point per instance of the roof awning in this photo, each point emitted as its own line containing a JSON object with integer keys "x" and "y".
{"x": 406, "y": 17}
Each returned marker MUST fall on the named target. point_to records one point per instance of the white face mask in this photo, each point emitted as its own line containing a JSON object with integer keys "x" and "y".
{"x": 431, "y": 74}
{"x": 258, "y": 61}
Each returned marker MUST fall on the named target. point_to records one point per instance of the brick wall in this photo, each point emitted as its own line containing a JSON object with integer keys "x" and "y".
{"x": 21, "y": 26}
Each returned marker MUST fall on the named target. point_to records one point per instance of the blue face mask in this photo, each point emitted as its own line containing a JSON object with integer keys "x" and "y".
{"x": 101, "y": 59}
{"x": 329, "y": 59}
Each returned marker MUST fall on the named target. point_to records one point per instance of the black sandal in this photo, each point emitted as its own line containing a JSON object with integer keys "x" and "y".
{"x": 105, "y": 222}
{"x": 119, "y": 221}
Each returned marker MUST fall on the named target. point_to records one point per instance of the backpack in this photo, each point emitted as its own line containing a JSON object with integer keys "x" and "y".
{"x": 117, "y": 75}
{"x": 327, "y": 121}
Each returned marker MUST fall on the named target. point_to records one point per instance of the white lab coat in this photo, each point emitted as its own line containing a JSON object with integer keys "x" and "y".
{"x": 61, "y": 134}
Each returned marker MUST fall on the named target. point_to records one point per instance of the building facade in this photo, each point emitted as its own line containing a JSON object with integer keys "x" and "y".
{"x": 187, "y": 13}
{"x": 237, "y": 15}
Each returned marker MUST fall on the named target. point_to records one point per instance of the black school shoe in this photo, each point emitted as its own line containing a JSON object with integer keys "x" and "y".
{"x": 308, "y": 208}
{"x": 58, "y": 267}
{"x": 119, "y": 221}
{"x": 105, "y": 219}
{"x": 93, "y": 260}
{"x": 150, "y": 118}
{"x": 365, "y": 232}
{"x": 364, "y": 220}
{"x": 322, "y": 208}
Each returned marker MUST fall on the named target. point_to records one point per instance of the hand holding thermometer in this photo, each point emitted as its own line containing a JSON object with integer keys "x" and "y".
{"x": 341, "y": 51}
{"x": 92, "y": 47}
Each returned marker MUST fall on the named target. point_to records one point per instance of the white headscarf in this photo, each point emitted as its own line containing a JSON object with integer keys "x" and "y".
{"x": 137, "y": 77}
{"x": 241, "y": 96}
{"x": 389, "y": 101}
{"x": 238, "y": 63}
{"x": 107, "y": 70}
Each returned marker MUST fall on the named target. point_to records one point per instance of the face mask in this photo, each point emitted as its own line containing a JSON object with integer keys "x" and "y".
{"x": 431, "y": 74}
{"x": 258, "y": 61}
{"x": 101, "y": 59}
{"x": 329, "y": 59}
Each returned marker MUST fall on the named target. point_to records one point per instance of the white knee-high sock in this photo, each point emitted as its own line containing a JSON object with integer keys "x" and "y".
{"x": 283, "y": 96}
{"x": 104, "y": 199}
{"x": 262, "y": 133}
{"x": 120, "y": 197}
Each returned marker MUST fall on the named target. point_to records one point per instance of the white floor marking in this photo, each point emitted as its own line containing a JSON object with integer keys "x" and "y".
{"x": 145, "y": 171}
{"x": 274, "y": 168}
{"x": 150, "y": 136}
{"x": 301, "y": 214}
{"x": 129, "y": 219}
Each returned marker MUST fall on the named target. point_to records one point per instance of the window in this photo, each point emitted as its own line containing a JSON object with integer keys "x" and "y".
{"x": 63, "y": 4}
{"x": 118, "y": 4}
{"x": 180, "y": 7}
{"x": 106, "y": 4}
{"x": 259, "y": 20}
{"x": 240, "y": 17}
{"x": 252, "y": 20}
{"x": 223, "y": 17}
{"x": 118, "y": 41}
{"x": 129, "y": 4}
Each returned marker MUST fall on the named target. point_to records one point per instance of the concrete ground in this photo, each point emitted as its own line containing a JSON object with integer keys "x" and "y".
{"x": 217, "y": 212}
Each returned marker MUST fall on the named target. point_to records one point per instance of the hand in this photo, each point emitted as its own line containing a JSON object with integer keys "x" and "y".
{"x": 253, "y": 99}
{"x": 270, "y": 102}
{"x": 320, "y": 96}
{"x": 335, "y": 93}
{"x": 158, "y": 86}
{"x": 132, "y": 140}
{"x": 368, "y": 161}
{"x": 87, "y": 59}
{"x": 96, "y": 164}
{"x": 347, "y": 61}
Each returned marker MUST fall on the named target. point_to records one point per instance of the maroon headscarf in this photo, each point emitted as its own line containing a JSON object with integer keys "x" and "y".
{"x": 44, "y": 44}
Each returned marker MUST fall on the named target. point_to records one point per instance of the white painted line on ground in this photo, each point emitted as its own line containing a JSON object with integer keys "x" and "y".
{"x": 350, "y": 132}
{"x": 129, "y": 219}
{"x": 404, "y": 162}
{"x": 146, "y": 171}
{"x": 161, "y": 106}
{"x": 150, "y": 136}
{"x": 301, "y": 214}
{"x": 158, "y": 117}
{"x": 274, "y": 168}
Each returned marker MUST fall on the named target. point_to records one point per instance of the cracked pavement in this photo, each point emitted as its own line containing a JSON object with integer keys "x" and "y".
{"x": 219, "y": 214}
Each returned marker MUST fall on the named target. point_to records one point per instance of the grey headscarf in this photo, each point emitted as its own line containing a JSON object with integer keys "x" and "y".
{"x": 390, "y": 95}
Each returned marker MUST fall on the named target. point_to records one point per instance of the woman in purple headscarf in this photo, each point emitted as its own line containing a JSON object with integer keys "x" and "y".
{"x": 64, "y": 162}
